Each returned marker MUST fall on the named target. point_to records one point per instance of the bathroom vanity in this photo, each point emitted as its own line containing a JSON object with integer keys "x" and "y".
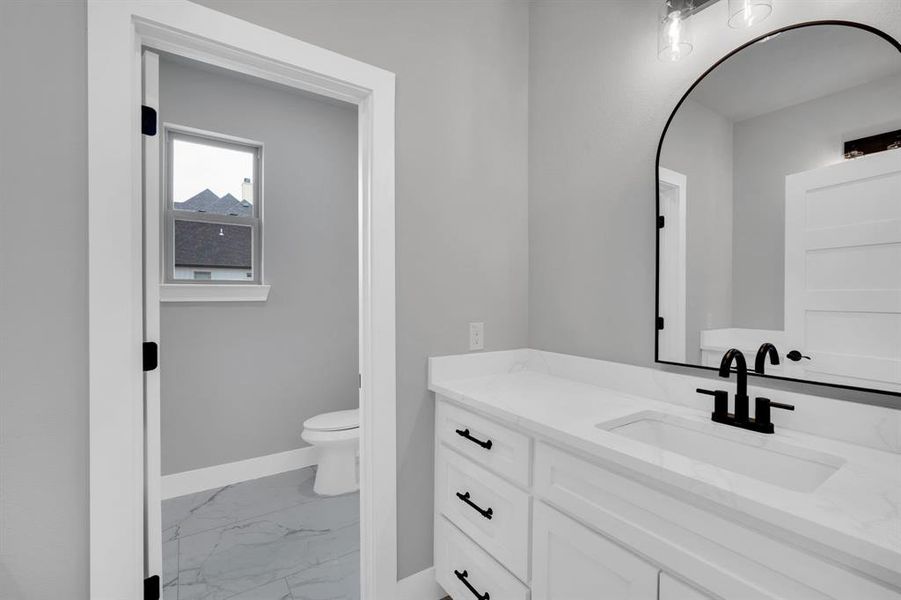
{"x": 570, "y": 478}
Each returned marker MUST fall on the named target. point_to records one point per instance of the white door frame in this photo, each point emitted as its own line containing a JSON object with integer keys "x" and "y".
{"x": 116, "y": 33}
{"x": 673, "y": 305}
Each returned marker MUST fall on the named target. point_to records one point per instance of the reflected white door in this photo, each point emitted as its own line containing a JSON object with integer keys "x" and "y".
{"x": 671, "y": 278}
{"x": 843, "y": 272}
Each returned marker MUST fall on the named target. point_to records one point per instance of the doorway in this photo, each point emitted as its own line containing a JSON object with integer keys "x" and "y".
{"x": 671, "y": 279}
{"x": 257, "y": 189}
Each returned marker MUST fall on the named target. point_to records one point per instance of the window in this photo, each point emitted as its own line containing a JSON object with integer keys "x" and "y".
{"x": 213, "y": 209}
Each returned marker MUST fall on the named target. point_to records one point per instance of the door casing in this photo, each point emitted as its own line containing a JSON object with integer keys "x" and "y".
{"x": 117, "y": 32}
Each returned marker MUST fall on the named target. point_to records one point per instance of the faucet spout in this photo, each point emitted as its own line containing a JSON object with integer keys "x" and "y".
{"x": 734, "y": 355}
{"x": 766, "y": 350}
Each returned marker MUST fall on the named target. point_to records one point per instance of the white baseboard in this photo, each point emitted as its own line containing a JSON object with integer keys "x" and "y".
{"x": 189, "y": 482}
{"x": 420, "y": 586}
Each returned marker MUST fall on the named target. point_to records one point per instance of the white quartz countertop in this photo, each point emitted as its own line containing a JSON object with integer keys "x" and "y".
{"x": 855, "y": 513}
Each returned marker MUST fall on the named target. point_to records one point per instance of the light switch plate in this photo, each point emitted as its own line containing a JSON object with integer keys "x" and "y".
{"x": 476, "y": 336}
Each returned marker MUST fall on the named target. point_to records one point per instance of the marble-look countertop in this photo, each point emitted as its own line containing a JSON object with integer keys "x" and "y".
{"x": 855, "y": 513}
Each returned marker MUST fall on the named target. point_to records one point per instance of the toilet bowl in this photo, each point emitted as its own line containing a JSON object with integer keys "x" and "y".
{"x": 336, "y": 435}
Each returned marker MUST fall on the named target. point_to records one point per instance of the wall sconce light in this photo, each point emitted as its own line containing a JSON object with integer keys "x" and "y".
{"x": 747, "y": 13}
{"x": 674, "y": 39}
{"x": 674, "y": 30}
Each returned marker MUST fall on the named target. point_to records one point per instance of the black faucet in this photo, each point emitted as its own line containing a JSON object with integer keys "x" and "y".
{"x": 741, "y": 380}
{"x": 765, "y": 349}
{"x": 761, "y": 421}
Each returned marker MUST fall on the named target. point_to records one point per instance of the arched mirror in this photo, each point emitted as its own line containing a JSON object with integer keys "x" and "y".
{"x": 779, "y": 209}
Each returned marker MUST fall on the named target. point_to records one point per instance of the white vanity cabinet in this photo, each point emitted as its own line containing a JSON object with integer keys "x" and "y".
{"x": 564, "y": 526}
{"x": 571, "y": 561}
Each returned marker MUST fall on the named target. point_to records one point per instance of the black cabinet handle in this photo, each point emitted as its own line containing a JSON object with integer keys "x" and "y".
{"x": 465, "y": 433}
{"x": 487, "y": 513}
{"x": 462, "y": 577}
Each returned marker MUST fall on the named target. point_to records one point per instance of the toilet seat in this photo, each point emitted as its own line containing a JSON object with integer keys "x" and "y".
{"x": 339, "y": 420}
{"x": 336, "y": 436}
{"x": 316, "y": 437}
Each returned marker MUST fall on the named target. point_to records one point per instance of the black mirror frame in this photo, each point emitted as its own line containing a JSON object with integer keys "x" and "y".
{"x": 895, "y": 43}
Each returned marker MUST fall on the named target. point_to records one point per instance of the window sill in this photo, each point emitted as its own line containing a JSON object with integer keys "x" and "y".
{"x": 199, "y": 292}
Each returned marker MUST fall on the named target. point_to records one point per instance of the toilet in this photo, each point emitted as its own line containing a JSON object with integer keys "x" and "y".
{"x": 336, "y": 435}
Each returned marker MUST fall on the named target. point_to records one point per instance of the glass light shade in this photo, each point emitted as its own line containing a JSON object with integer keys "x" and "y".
{"x": 746, "y": 13}
{"x": 674, "y": 31}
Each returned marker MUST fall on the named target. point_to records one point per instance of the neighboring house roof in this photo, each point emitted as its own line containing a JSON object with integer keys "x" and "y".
{"x": 208, "y": 202}
{"x": 214, "y": 245}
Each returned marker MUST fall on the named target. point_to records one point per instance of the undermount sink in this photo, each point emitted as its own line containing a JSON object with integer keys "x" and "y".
{"x": 750, "y": 454}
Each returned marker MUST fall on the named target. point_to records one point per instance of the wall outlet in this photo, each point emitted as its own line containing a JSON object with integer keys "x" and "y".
{"x": 476, "y": 336}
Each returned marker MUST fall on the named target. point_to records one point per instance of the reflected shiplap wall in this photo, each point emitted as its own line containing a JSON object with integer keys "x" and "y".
{"x": 771, "y": 146}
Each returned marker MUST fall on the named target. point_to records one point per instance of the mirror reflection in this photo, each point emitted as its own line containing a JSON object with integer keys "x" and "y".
{"x": 780, "y": 202}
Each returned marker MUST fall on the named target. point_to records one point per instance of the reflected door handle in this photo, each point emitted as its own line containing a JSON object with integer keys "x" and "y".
{"x": 795, "y": 356}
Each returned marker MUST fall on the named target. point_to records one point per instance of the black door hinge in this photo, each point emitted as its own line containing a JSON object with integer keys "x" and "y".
{"x": 659, "y": 323}
{"x": 148, "y": 120}
{"x": 661, "y": 221}
{"x": 152, "y": 588}
{"x": 151, "y": 356}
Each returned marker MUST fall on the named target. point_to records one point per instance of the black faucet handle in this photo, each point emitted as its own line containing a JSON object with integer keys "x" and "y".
{"x": 720, "y": 401}
{"x": 781, "y": 405}
{"x": 762, "y": 407}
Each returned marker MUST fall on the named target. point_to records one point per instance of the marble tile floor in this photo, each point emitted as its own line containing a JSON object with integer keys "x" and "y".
{"x": 266, "y": 539}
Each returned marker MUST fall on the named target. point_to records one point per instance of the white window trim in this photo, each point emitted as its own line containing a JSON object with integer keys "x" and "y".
{"x": 172, "y": 290}
{"x": 116, "y": 33}
{"x": 213, "y": 292}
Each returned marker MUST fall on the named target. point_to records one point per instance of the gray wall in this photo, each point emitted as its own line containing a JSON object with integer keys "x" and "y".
{"x": 43, "y": 302}
{"x": 462, "y": 139}
{"x": 699, "y": 145}
{"x": 771, "y": 146}
{"x": 598, "y": 101}
{"x": 238, "y": 380}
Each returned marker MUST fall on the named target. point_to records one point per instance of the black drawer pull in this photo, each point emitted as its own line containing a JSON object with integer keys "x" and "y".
{"x": 487, "y": 513}
{"x": 462, "y": 577}
{"x": 465, "y": 433}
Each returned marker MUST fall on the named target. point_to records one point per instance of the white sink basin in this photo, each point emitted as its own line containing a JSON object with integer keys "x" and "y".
{"x": 744, "y": 452}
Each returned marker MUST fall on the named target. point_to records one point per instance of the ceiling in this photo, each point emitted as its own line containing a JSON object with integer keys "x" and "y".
{"x": 794, "y": 67}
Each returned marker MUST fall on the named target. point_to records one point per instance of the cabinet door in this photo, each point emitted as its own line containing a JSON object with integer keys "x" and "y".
{"x": 673, "y": 589}
{"x": 572, "y": 562}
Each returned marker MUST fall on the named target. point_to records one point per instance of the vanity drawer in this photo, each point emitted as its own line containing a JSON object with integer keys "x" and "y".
{"x": 502, "y": 450}
{"x": 491, "y": 511}
{"x": 458, "y": 558}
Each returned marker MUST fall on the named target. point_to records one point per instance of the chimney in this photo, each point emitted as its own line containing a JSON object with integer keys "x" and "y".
{"x": 247, "y": 190}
